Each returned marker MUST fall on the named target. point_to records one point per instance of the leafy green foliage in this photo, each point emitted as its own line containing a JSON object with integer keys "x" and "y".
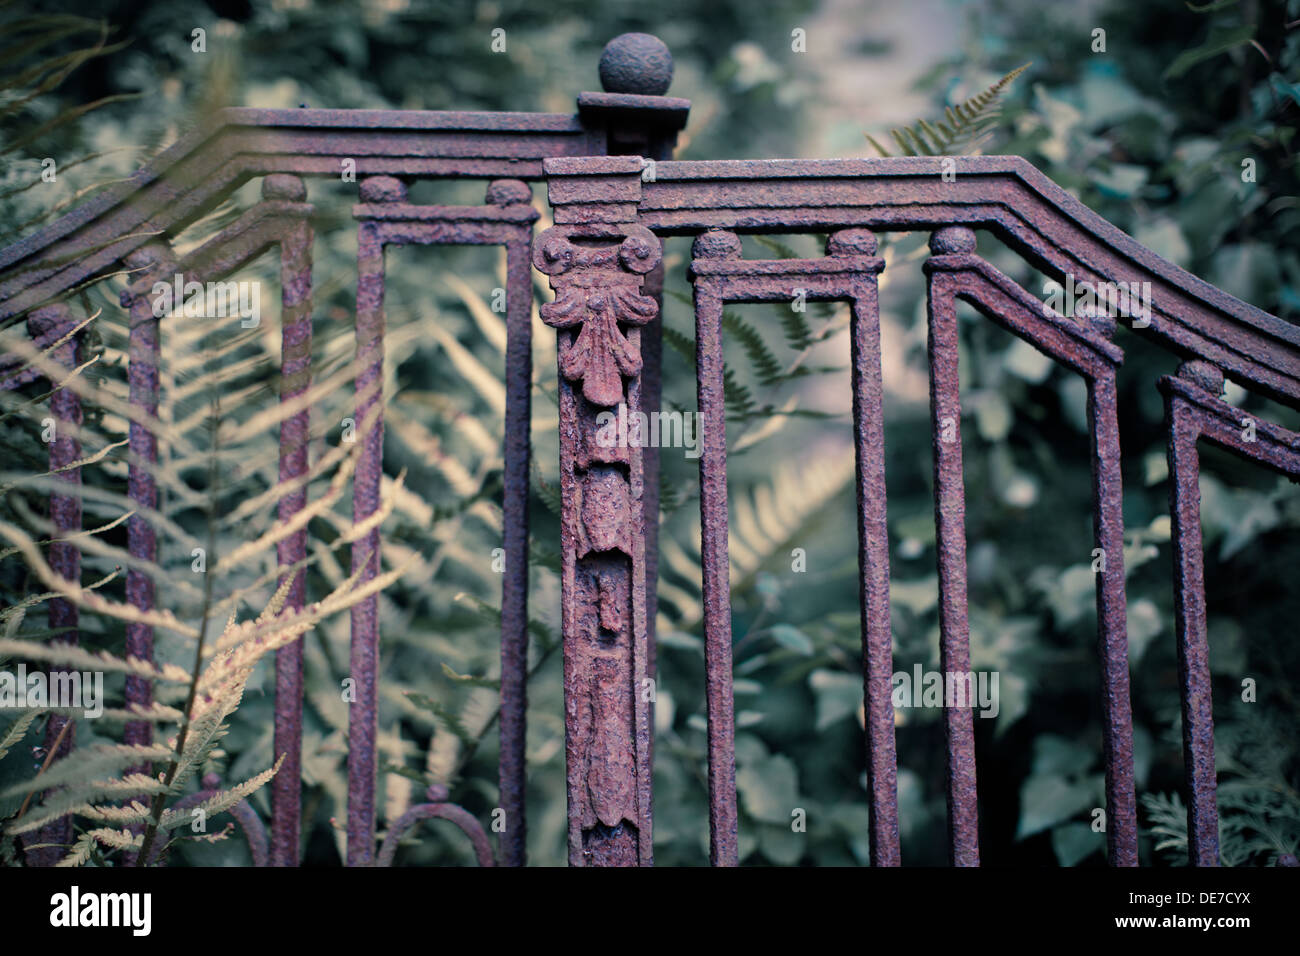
{"x": 1259, "y": 813}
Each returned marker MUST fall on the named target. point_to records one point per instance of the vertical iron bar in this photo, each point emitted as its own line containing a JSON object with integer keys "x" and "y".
{"x": 154, "y": 261}
{"x": 642, "y": 726}
{"x": 651, "y": 400}
{"x": 1190, "y": 622}
{"x": 1112, "y": 630}
{"x": 873, "y": 550}
{"x": 514, "y": 593}
{"x": 950, "y": 534}
{"x": 363, "y": 716}
{"x": 65, "y": 558}
{"x": 599, "y": 311}
{"x": 295, "y": 379}
{"x": 723, "y": 825}
{"x": 659, "y": 148}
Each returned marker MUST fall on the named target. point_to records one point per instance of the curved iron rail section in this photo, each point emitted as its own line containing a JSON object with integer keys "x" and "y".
{"x": 1004, "y": 194}
{"x": 437, "y": 808}
{"x": 192, "y": 176}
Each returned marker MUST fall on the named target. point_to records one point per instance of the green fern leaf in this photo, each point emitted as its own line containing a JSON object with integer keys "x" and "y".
{"x": 17, "y": 731}
{"x": 766, "y": 365}
{"x": 683, "y": 345}
{"x": 966, "y": 123}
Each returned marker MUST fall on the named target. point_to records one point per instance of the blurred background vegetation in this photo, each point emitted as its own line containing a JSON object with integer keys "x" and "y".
{"x": 1150, "y": 132}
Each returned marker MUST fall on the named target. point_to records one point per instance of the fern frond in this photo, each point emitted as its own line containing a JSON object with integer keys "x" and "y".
{"x": 780, "y": 248}
{"x": 223, "y": 801}
{"x": 18, "y": 730}
{"x": 133, "y": 812}
{"x": 683, "y": 345}
{"x": 965, "y": 124}
{"x": 75, "y": 536}
{"x": 80, "y": 799}
{"x": 281, "y": 530}
{"x": 77, "y": 658}
{"x": 491, "y": 324}
{"x": 798, "y": 335}
{"x": 765, "y": 364}
{"x": 80, "y": 853}
{"x": 482, "y": 380}
{"x": 447, "y": 717}
{"x": 96, "y": 763}
{"x": 737, "y": 397}
{"x": 767, "y": 522}
{"x": 18, "y": 344}
{"x": 84, "y": 596}
{"x": 116, "y": 839}
{"x": 467, "y": 426}
{"x": 549, "y": 493}
{"x": 1168, "y": 818}
{"x": 470, "y": 680}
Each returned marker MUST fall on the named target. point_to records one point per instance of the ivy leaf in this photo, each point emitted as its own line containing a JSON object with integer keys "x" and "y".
{"x": 769, "y": 788}
{"x": 1048, "y": 800}
{"x": 781, "y": 845}
{"x": 1220, "y": 41}
{"x": 791, "y": 638}
{"x": 1075, "y": 842}
{"x": 839, "y": 695}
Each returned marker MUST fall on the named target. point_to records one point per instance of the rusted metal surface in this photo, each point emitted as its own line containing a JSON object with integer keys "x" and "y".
{"x": 603, "y": 257}
{"x": 1194, "y": 411}
{"x": 506, "y": 220}
{"x": 597, "y": 271}
{"x": 1082, "y": 345}
{"x": 1004, "y": 194}
{"x": 363, "y": 670}
{"x": 724, "y": 848}
{"x": 65, "y": 515}
{"x": 950, "y": 548}
{"x": 291, "y": 553}
{"x": 202, "y": 168}
{"x": 155, "y": 263}
{"x": 514, "y": 586}
{"x": 847, "y": 273}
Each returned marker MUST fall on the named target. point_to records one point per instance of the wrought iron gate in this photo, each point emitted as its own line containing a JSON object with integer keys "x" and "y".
{"x": 615, "y": 193}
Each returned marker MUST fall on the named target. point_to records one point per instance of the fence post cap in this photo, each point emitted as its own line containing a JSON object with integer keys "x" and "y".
{"x": 636, "y": 63}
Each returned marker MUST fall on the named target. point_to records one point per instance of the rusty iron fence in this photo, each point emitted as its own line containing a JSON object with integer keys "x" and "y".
{"x": 614, "y": 194}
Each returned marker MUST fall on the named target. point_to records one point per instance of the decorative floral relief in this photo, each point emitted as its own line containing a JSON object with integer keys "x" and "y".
{"x": 597, "y": 288}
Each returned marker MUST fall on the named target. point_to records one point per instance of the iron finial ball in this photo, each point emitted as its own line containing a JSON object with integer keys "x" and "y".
{"x": 508, "y": 192}
{"x": 952, "y": 240}
{"x": 284, "y": 186}
{"x": 1205, "y": 374}
{"x": 636, "y": 63}
{"x": 716, "y": 244}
